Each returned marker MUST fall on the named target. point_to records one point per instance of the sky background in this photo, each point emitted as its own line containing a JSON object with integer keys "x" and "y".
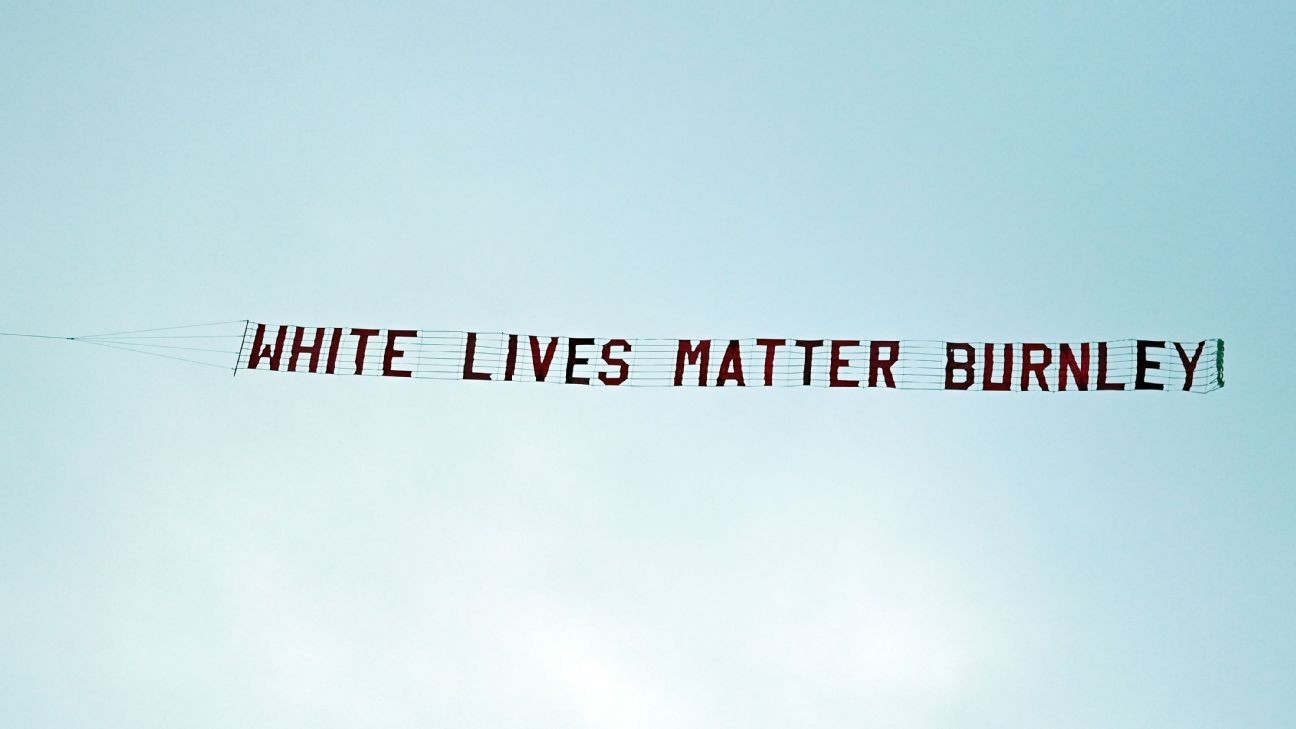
{"x": 179, "y": 547}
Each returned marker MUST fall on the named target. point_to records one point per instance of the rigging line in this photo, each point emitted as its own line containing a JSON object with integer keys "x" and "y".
{"x": 159, "y": 329}
{"x": 154, "y": 346}
{"x": 151, "y": 354}
{"x": 33, "y": 336}
{"x": 166, "y": 336}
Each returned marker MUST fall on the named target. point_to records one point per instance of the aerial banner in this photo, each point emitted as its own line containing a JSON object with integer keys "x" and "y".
{"x": 902, "y": 364}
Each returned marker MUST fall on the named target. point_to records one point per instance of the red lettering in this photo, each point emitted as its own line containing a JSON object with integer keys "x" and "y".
{"x": 809, "y": 346}
{"x": 334, "y": 341}
{"x": 1103, "y": 384}
{"x": 510, "y": 364}
{"x": 836, "y": 362}
{"x": 298, "y": 350}
{"x": 361, "y": 346}
{"x": 1145, "y": 364}
{"x": 770, "y": 345}
{"x": 623, "y": 368}
{"x": 573, "y": 361}
{"x": 1190, "y": 365}
{"x": 700, "y": 355}
{"x": 260, "y": 350}
{"x": 540, "y": 365}
{"x": 878, "y": 364}
{"x": 391, "y": 353}
{"x": 1006, "y": 383}
{"x": 731, "y": 365}
{"x": 1069, "y": 365}
{"x": 966, "y": 365}
{"x": 1036, "y": 368}
{"x": 470, "y": 353}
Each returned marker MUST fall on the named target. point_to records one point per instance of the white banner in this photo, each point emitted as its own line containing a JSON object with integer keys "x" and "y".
{"x": 909, "y": 364}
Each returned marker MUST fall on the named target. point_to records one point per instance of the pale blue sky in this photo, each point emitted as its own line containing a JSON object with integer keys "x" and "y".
{"x": 183, "y": 548}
